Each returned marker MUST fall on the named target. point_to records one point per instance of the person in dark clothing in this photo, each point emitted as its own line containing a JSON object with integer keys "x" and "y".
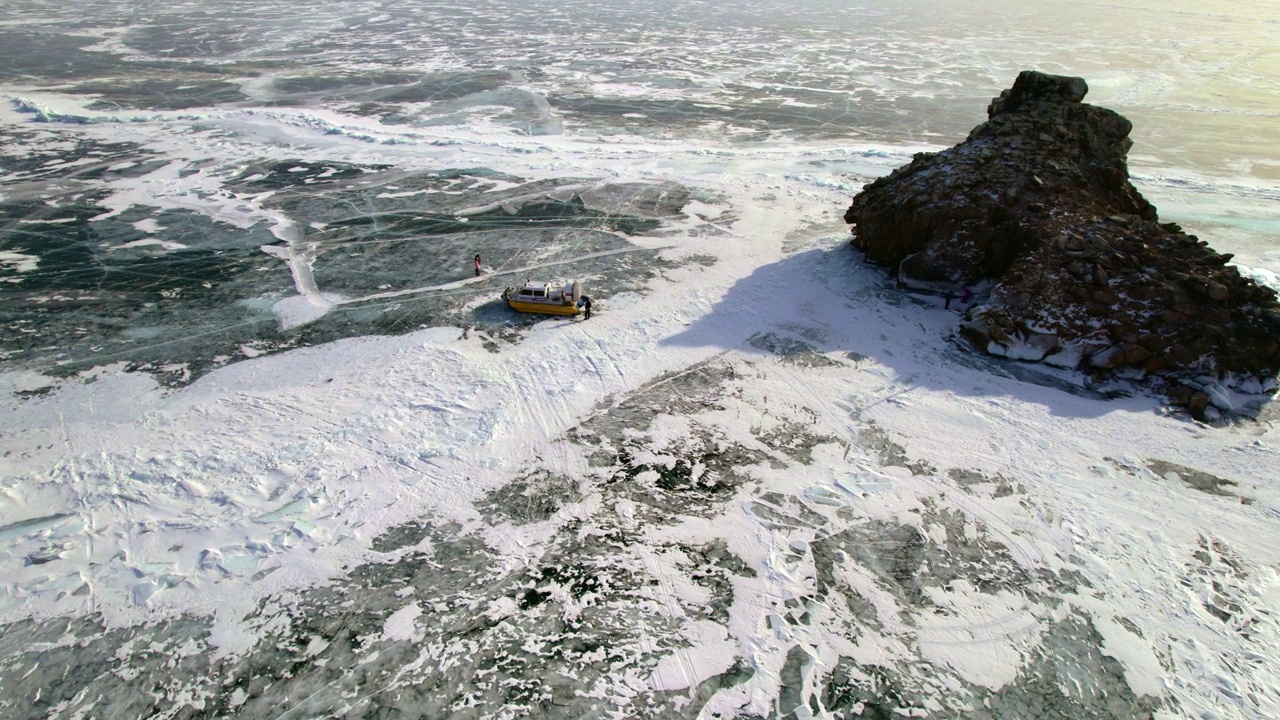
{"x": 477, "y": 264}
{"x": 949, "y": 295}
{"x": 585, "y": 304}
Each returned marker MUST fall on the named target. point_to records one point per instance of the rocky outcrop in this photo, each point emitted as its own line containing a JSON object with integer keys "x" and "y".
{"x": 1036, "y": 205}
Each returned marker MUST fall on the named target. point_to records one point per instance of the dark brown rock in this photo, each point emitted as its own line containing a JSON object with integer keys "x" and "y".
{"x": 1154, "y": 343}
{"x": 1180, "y": 394}
{"x": 1155, "y": 365}
{"x": 1105, "y": 296}
{"x": 1032, "y": 86}
{"x": 1197, "y": 404}
{"x": 1136, "y": 355}
{"x": 1037, "y": 203}
{"x": 1123, "y": 333}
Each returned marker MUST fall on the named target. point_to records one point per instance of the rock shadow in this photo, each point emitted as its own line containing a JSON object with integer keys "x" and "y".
{"x": 826, "y": 306}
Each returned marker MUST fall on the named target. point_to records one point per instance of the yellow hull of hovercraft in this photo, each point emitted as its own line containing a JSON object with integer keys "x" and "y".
{"x": 551, "y": 308}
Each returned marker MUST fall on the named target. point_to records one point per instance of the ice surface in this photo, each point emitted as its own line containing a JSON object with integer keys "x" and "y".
{"x": 269, "y": 447}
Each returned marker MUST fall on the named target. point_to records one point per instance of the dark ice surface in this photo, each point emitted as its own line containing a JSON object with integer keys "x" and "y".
{"x": 92, "y": 301}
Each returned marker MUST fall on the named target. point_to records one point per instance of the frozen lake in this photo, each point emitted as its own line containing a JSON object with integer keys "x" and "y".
{"x": 270, "y": 448}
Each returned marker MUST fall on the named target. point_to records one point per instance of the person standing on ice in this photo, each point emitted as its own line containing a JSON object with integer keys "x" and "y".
{"x": 477, "y": 264}
{"x": 585, "y": 304}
